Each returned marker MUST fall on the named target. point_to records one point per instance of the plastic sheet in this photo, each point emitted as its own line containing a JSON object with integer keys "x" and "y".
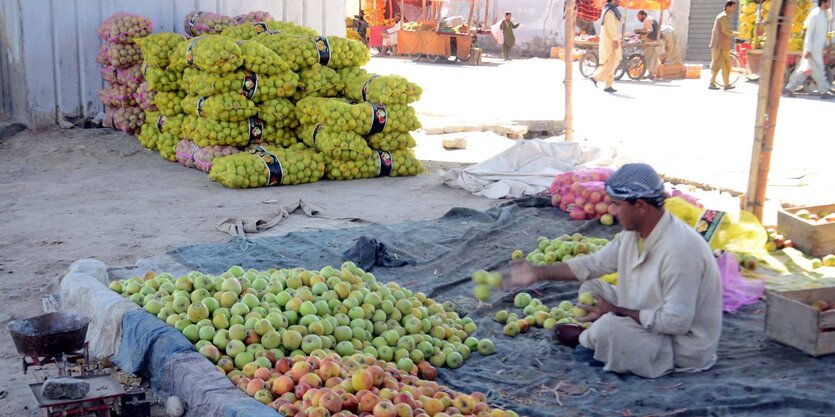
{"x": 84, "y": 290}
{"x": 147, "y": 342}
{"x": 758, "y": 377}
{"x": 736, "y": 290}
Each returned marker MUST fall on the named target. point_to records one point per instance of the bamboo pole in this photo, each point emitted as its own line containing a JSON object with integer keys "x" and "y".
{"x": 391, "y": 10}
{"x": 470, "y": 18}
{"x": 776, "y": 49}
{"x": 571, "y": 12}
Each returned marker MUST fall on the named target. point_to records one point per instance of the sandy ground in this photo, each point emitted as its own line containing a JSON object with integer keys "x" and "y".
{"x": 75, "y": 194}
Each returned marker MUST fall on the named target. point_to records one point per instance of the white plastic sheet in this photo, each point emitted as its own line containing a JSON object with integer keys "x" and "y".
{"x": 84, "y": 290}
{"x": 527, "y": 168}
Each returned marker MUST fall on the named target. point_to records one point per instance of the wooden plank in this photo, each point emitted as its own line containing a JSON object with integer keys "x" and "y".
{"x": 826, "y": 344}
{"x": 817, "y": 240}
{"x": 827, "y": 318}
{"x": 791, "y": 322}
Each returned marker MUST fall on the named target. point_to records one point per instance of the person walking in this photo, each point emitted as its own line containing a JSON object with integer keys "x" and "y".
{"x": 814, "y": 43}
{"x": 720, "y": 47}
{"x": 507, "y": 27}
{"x": 610, "y": 49}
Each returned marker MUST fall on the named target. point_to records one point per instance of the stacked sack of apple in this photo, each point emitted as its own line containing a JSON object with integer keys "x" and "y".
{"x": 242, "y": 317}
{"x": 324, "y": 384}
{"x": 537, "y": 314}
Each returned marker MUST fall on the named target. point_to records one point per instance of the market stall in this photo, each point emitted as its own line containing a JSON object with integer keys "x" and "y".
{"x": 753, "y": 17}
{"x": 633, "y": 62}
{"x": 440, "y": 36}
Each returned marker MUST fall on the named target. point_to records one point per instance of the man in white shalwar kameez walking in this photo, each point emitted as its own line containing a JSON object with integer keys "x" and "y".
{"x": 665, "y": 313}
{"x": 816, "y": 26}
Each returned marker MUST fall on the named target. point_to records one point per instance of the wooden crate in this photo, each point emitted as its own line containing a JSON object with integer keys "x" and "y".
{"x": 671, "y": 71}
{"x": 817, "y": 240}
{"x": 693, "y": 71}
{"x": 791, "y": 320}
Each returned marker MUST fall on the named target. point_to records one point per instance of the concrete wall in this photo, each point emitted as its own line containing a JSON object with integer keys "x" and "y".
{"x": 48, "y": 68}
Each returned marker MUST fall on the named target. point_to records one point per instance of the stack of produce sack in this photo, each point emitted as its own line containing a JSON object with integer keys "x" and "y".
{"x": 368, "y": 135}
{"x": 120, "y": 56}
{"x": 199, "y": 23}
{"x": 164, "y": 113}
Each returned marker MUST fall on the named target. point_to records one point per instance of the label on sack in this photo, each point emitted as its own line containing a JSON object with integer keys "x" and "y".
{"x": 200, "y": 103}
{"x": 190, "y": 52}
{"x": 315, "y": 134}
{"x": 324, "y": 49}
{"x": 249, "y": 86}
{"x": 256, "y": 130}
{"x": 379, "y": 115}
{"x": 193, "y": 21}
{"x": 160, "y": 123}
{"x": 385, "y": 163}
{"x": 365, "y": 87}
{"x": 260, "y": 27}
{"x": 273, "y": 166}
{"x": 708, "y": 223}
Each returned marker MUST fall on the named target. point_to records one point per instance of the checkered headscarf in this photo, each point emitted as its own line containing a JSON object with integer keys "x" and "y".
{"x": 636, "y": 181}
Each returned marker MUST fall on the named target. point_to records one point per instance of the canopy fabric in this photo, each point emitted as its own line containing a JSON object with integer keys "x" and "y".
{"x": 647, "y": 4}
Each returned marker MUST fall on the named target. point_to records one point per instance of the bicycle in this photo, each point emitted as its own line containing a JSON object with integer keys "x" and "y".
{"x": 634, "y": 65}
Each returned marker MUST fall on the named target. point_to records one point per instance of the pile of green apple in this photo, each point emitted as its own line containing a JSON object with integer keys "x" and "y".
{"x": 536, "y": 314}
{"x": 240, "y": 317}
{"x": 560, "y": 249}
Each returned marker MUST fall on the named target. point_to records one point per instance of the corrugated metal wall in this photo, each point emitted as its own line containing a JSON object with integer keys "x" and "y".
{"x": 702, "y": 15}
{"x": 49, "y": 47}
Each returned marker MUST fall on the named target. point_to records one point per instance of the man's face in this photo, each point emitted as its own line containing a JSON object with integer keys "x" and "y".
{"x": 616, "y": 3}
{"x": 507, "y": 16}
{"x": 629, "y": 215}
{"x": 732, "y": 9}
{"x": 397, "y": 18}
{"x": 641, "y": 17}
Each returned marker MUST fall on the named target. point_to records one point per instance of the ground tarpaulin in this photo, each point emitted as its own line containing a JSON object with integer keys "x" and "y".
{"x": 529, "y": 373}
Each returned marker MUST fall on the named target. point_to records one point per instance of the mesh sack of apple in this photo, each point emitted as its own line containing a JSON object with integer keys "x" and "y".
{"x": 192, "y": 156}
{"x": 123, "y": 27}
{"x": 125, "y": 119}
{"x": 197, "y": 23}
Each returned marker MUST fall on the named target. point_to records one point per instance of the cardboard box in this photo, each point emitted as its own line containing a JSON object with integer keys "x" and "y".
{"x": 817, "y": 240}
{"x": 791, "y": 320}
{"x": 693, "y": 71}
{"x": 671, "y": 71}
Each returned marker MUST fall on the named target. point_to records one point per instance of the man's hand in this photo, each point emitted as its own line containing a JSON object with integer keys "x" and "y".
{"x": 522, "y": 274}
{"x": 600, "y": 307}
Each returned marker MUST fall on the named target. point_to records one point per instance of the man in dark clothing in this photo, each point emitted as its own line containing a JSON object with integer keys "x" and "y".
{"x": 507, "y": 27}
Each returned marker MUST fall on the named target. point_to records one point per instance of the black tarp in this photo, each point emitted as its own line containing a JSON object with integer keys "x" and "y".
{"x": 529, "y": 373}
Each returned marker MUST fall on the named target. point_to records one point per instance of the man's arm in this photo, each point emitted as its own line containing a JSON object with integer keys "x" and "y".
{"x": 515, "y": 25}
{"x": 725, "y": 25}
{"x": 602, "y": 262}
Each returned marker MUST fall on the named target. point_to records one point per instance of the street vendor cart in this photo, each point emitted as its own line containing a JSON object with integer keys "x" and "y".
{"x": 633, "y": 63}
{"x": 747, "y": 54}
{"x": 438, "y": 41}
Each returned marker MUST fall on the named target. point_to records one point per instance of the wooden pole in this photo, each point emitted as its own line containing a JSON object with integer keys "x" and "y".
{"x": 487, "y": 21}
{"x": 470, "y": 18}
{"x": 571, "y": 12}
{"x": 391, "y": 10}
{"x": 775, "y": 52}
